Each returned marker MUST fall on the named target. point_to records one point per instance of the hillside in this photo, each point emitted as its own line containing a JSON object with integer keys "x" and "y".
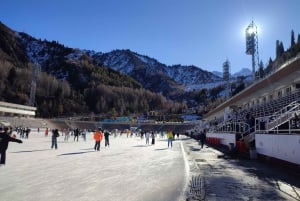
{"x": 70, "y": 82}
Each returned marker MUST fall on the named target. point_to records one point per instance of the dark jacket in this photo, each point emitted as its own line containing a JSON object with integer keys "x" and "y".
{"x": 55, "y": 133}
{"x": 5, "y": 138}
{"x": 106, "y": 134}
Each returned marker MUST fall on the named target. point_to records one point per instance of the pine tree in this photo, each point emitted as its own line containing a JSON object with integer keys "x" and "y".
{"x": 279, "y": 49}
{"x": 261, "y": 70}
{"x": 292, "y": 39}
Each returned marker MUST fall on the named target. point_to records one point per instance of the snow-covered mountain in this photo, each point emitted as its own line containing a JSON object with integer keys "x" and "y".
{"x": 60, "y": 61}
{"x": 144, "y": 69}
{"x": 243, "y": 72}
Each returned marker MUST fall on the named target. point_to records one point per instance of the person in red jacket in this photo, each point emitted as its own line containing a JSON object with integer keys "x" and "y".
{"x": 4, "y": 140}
{"x": 98, "y": 136}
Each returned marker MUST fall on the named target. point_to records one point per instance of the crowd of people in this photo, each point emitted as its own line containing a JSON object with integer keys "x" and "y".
{"x": 7, "y": 135}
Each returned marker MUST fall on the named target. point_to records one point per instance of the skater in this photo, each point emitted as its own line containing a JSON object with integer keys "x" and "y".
{"x": 4, "y": 140}
{"x": 27, "y": 131}
{"x": 147, "y": 136}
{"x": 170, "y": 138}
{"x": 46, "y": 132}
{"x": 54, "y": 137}
{"x": 76, "y": 134}
{"x": 83, "y": 133}
{"x": 202, "y": 138}
{"x": 98, "y": 138}
{"x": 67, "y": 134}
{"x": 106, "y": 138}
{"x": 152, "y": 138}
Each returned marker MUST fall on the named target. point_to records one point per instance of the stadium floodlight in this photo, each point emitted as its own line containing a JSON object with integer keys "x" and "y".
{"x": 252, "y": 45}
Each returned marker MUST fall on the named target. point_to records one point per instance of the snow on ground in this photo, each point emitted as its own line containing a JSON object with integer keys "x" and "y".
{"x": 128, "y": 170}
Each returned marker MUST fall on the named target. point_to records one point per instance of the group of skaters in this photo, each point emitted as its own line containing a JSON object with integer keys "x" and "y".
{"x": 69, "y": 132}
{"x": 150, "y": 134}
{"x": 6, "y": 136}
{"x": 23, "y": 132}
{"x": 98, "y": 136}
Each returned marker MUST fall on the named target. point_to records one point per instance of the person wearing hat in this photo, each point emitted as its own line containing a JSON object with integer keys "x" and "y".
{"x": 98, "y": 136}
{"x": 4, "y": 140}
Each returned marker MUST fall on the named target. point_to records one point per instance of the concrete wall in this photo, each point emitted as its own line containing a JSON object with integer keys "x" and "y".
{"x": 284, "y": 147}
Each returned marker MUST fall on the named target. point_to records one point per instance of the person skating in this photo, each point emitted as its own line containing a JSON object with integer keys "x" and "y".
{"x": 4, "y": 140}
{"x": 147, "y": 136}
{"x": 83, "y": 133}
{"x": 170, "y": 137}
{"x": 106, "y": 138}
{"x": 55, "y": 135}
{"x": 152, "y": 138}
{"x": 76, "y": 134}
{"x": 202, "y": 138}
{"x": 98, "y": 136}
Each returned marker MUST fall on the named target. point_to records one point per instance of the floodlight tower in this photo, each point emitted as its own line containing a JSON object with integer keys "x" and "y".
{"x": 36, "y": 68}
{"x": 252, "y": 45}
{"x": 226, "y": 77}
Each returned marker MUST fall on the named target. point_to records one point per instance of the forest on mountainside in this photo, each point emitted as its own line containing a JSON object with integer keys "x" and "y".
{"x": 57, "y": 98}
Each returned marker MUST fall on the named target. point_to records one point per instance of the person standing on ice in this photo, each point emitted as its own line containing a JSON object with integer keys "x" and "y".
{"x": 54, "y": 137}
{"x": 106, "y": 137}
{"x": 147, "y": 136}
{"x": 76, "y": 134}
{"x": 170, "y": 138}
{"x": 4, "y": 140}
{"x": 202, "y": 138}
{"x": 83, "y": 133}
{"x": 98, "y": 136}
{"x": 152, "y": 138}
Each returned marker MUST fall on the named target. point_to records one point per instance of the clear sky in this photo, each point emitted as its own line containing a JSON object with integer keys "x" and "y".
{"x": 189, "y": 32}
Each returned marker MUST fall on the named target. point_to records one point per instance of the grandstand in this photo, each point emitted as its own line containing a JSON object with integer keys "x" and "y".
{"x": 260, "y": 118}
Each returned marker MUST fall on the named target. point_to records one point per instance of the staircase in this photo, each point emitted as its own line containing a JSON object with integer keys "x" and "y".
{"x": 283, "y": 116}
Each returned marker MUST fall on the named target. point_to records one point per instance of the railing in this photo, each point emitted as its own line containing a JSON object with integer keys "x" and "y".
{"x": 270, "y": 125}
{"x": 230, "y": 127}
{"x": 283, "y": 115}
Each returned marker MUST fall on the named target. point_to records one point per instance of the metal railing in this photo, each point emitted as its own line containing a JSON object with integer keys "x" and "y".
{"x": 230, "y": 127}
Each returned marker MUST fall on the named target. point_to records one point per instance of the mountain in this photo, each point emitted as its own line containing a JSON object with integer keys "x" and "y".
{"x": 69, "y": 82}
{"x": 154, "y": 75}
{"x": 85, "y": 70}
{"x": 243, "y": 72}
{"x": 246, "y": 72}
{"x": 149, "y": 72}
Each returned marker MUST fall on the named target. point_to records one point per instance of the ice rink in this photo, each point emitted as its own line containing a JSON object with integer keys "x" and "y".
{"x": 129, "y": 170}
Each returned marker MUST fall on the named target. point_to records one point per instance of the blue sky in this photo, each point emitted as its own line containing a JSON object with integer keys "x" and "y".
{"x": 189, "y": 32}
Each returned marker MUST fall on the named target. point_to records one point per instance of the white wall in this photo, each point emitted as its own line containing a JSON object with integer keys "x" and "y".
{"x": 284, "y": 147}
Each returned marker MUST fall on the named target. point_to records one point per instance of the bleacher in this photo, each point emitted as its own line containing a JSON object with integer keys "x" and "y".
{"x": 273, "y": 106}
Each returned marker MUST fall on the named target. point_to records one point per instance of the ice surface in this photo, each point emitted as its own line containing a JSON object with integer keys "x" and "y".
{"x": 128, "y": 170}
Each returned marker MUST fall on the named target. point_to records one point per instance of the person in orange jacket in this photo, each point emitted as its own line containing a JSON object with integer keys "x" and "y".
{"x": 98, "y": 136}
